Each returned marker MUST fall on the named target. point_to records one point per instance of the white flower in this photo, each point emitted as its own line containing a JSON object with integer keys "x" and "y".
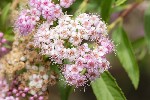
{"x": 34, "y": 67}
{"x": 41, "y": 68}
{"x": 45, "y": 77}
{"x": 33, "y": 92}
{"x": 36, "y": 81}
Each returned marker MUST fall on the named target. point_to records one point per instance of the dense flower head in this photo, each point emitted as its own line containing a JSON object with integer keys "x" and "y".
{"x": 39, "y": 11}
{"x": 66, "y": 40}
{"x": 3, "y": 41}
{"x": 5, "y": 90}
{"x": 38, "y": 82}
{"x": 48, "y": 9}
{"x": 71, "y": 41}
{"x": 51, "y": 12}
{"x": 16, "y": 92}
{"x": 26, "y": 22}
{"x": 79, "y": 44}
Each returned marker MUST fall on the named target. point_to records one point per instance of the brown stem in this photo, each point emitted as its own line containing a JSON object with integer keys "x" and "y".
{"x": 14, "y": 4}
{"x": 123, "y": 15}
{"x": 129, "y": 10}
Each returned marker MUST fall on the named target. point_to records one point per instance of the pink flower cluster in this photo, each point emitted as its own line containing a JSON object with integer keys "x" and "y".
{"x": 87, "y": 68}
{"x": 48, "y": 9}
{"x": 36, "y": 97}
{"x": 70, "y": 41}
{"x": 66, "y": 3}
{"x": 16, "y": 91}
{"x": 28, "y": 19}
{"x": 4, "y": 87}
{"x": 3, "y": 50}
{"x": 4, "y": 90}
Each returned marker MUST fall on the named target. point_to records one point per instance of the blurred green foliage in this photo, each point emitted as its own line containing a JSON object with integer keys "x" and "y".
{"x": 4, "y": 3}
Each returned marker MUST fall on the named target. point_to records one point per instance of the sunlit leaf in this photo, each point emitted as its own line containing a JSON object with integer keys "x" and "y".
{"x": 119, "y": 2}
{"x": 82, "y": 8}
{"x": 106, "y": 88}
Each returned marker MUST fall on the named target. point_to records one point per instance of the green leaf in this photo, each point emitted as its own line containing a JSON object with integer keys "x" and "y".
{"x": 147, "y": 26}
{"x": 139, "y": 48}
{"x": 94, "y": 6}
{"x": 137, "y": 44}
{"x": 5, "y": 12}
{"x": 9, "y": 34}
{"x": 119, "y": 2}
{"x": 64, "y": 89}
{"x": 126, "y": 56}
{"x": 106, "y": 88}
{"x": 9, "y": 38}
{"x": 106, "y": 6}
{"x": 82, "y": 8}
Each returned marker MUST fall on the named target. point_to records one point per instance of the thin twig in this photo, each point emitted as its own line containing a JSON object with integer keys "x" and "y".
{"x": 123, "y": 15}
{"x": 14, "y": 4}
{"x": 130, "y": 9}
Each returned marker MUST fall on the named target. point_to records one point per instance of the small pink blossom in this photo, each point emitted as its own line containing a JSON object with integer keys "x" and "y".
{"x": 25, "y": 23}
{"x": 4, "y": 87}
{"x": 3, "y": 41}
{"x": 66, "y": 3}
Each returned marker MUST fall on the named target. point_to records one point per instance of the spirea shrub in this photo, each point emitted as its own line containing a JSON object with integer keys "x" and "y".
{"x": 47, "y": 36}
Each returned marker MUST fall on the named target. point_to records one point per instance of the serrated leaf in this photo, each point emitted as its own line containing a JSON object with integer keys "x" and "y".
{"x": 106, "y": 88}
{"x": 126, "y": 56}
{"x": 147, "y": 26}
{"x": 119, "y": 2}
{"x": 106, "y": 6}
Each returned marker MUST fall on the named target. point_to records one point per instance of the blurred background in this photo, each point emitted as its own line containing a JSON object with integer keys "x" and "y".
{"x": 133, "y": 25}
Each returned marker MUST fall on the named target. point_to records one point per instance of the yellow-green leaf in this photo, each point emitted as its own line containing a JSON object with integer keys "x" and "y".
{"x": 119, "y": 2}
{"x": 106, "y": 88}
